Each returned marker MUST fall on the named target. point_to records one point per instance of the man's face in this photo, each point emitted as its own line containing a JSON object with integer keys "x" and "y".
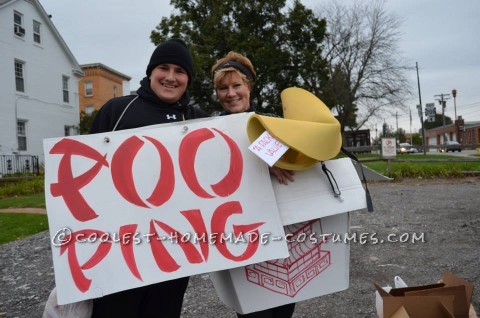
{"x": 169, "y": 82}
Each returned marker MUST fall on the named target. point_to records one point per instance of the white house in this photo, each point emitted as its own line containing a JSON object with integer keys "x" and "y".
{"x": 38, "y": 81}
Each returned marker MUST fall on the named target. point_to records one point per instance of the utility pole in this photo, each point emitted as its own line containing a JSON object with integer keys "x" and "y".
{"x": 396, "y": 119}
{"x": 443, "y": 103}
{"x": 420, "y": 112}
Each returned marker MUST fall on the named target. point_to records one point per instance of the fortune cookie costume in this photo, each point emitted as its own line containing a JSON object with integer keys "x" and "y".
{"x": 307, "y": 127}
{"x": 311, "y": 132}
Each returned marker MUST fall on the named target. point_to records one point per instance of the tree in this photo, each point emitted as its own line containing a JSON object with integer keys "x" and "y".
{"x": 438, "y": 122}
{"x": 417, "y": 139}
{"x": 401, "y": 135}
{"x": 86, "y": 121}
{"x": 367, "y": 74}
{"x": 284, "y": 44}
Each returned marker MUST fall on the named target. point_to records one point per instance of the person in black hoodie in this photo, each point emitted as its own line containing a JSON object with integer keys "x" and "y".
{"x": 161, "y": 98}
{"x": 233, "y": 79}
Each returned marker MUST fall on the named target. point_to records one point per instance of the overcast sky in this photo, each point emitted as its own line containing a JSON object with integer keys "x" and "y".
{"x": 443, "y": 36}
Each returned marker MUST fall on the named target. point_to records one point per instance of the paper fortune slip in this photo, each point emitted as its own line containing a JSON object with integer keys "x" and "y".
{"x": 268, "y": 148}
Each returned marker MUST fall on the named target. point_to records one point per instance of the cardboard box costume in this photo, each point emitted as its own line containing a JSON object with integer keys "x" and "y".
{"x": 313, "y": 209}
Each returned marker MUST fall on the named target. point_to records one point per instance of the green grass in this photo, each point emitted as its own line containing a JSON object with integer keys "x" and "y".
{"x": 19, "y": 225}
{"x": 418, "y": 156}
{"x": 400, "y": 170}
{"x": 22, "y": 194}
{"x": 418, "y": 169}
{"x": 27, "y": 201}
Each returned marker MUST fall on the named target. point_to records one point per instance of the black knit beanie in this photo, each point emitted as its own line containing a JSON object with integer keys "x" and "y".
{"x": 173, "y": 51}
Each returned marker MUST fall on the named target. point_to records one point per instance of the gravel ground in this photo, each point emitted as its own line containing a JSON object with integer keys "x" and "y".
{"x": 446, "y": 211}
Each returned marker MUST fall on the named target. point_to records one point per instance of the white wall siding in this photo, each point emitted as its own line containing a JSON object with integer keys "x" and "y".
{"x": 41, "y": 106}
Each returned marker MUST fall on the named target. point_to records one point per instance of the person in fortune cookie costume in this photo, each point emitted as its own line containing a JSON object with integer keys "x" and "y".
{"x": 233, "y": 78}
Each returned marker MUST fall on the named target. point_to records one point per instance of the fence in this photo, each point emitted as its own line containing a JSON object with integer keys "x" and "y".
{"x": 14, "y": 165}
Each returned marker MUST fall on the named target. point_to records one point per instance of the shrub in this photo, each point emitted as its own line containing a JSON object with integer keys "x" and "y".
{"x": 23, "y": 187}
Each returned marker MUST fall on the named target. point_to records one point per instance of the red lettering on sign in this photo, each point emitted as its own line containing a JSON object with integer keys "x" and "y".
{"x": 166, "y": 183}
{"x": 164, "y": 260}
{"x": 230, "y": 183}
{"x": 69, "y": 187}
{"x": 127, "y": 244}
{"x": 80, "y": 280}
{"x": 195, "y": 218}
{"x": 219, "y": 220}
{"x": 122, "y": 173}
{"x": 187, "y": 153}
{"x": 193, "y": 256}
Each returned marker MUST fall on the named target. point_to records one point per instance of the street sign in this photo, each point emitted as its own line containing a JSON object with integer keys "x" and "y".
{"x": 430, "y": 112}
{"x": 389, "y": 148}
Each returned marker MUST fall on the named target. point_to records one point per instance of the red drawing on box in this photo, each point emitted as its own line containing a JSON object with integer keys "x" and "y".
{"x": 289, "y": 275}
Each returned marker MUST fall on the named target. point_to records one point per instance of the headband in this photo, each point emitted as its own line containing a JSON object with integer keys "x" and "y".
{"x": 239, "y": 67}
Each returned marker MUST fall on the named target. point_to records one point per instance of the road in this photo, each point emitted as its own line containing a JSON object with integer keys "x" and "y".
{"x": 463, "y": 153}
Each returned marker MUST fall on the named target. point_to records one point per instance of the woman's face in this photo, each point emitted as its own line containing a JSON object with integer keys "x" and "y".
{"x": 169, "y": 82}
{"x": 233, "y": 93}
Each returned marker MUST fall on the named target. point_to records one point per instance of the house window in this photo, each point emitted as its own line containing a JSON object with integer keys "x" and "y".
{"x": 114, "y": 90}
{"x": 88, "y": 89}
{"x": 68, "y": 130}
{"x": 66, "y": 98}
{"x": 22, "y": 135}
{"x": 36, "y": 32}
{"x": 19, "y": 80}
{"x": 18, "y": 24}
{"x": 89, "y": 109}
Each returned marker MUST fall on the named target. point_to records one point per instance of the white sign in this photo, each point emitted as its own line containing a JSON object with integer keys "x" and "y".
{"x": 268, "y": 148}
{"x": 136, "y": 207}
{"x": 389, "y": 148}
{"x": 430, "y": 112}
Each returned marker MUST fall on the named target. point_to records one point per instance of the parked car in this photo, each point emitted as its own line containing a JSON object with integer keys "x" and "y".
{"x": 450, "y": 145}
{"x": 405, "y": 147}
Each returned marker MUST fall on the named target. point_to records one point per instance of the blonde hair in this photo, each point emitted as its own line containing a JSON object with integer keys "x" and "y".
{"x": 222, "y": 69}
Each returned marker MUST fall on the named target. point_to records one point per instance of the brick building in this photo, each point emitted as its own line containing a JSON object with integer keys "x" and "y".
{"x": 466, "y": 133}
{"x": 356, "y": 138}
{"x": 471, "y": 133}
{"x": 100, "y": 84}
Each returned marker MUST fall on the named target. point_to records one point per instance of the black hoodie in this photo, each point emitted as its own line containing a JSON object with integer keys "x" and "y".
{"x": 147, "y": 109}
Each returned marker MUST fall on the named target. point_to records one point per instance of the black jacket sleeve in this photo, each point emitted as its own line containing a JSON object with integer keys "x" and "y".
{"x": 102, "y": 121}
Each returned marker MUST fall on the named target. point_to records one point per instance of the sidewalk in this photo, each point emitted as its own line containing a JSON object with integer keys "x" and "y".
{"x": 24, "y": 210}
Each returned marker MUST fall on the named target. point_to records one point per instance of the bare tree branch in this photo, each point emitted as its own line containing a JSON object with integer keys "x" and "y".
{"x": 367, "y": 74}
